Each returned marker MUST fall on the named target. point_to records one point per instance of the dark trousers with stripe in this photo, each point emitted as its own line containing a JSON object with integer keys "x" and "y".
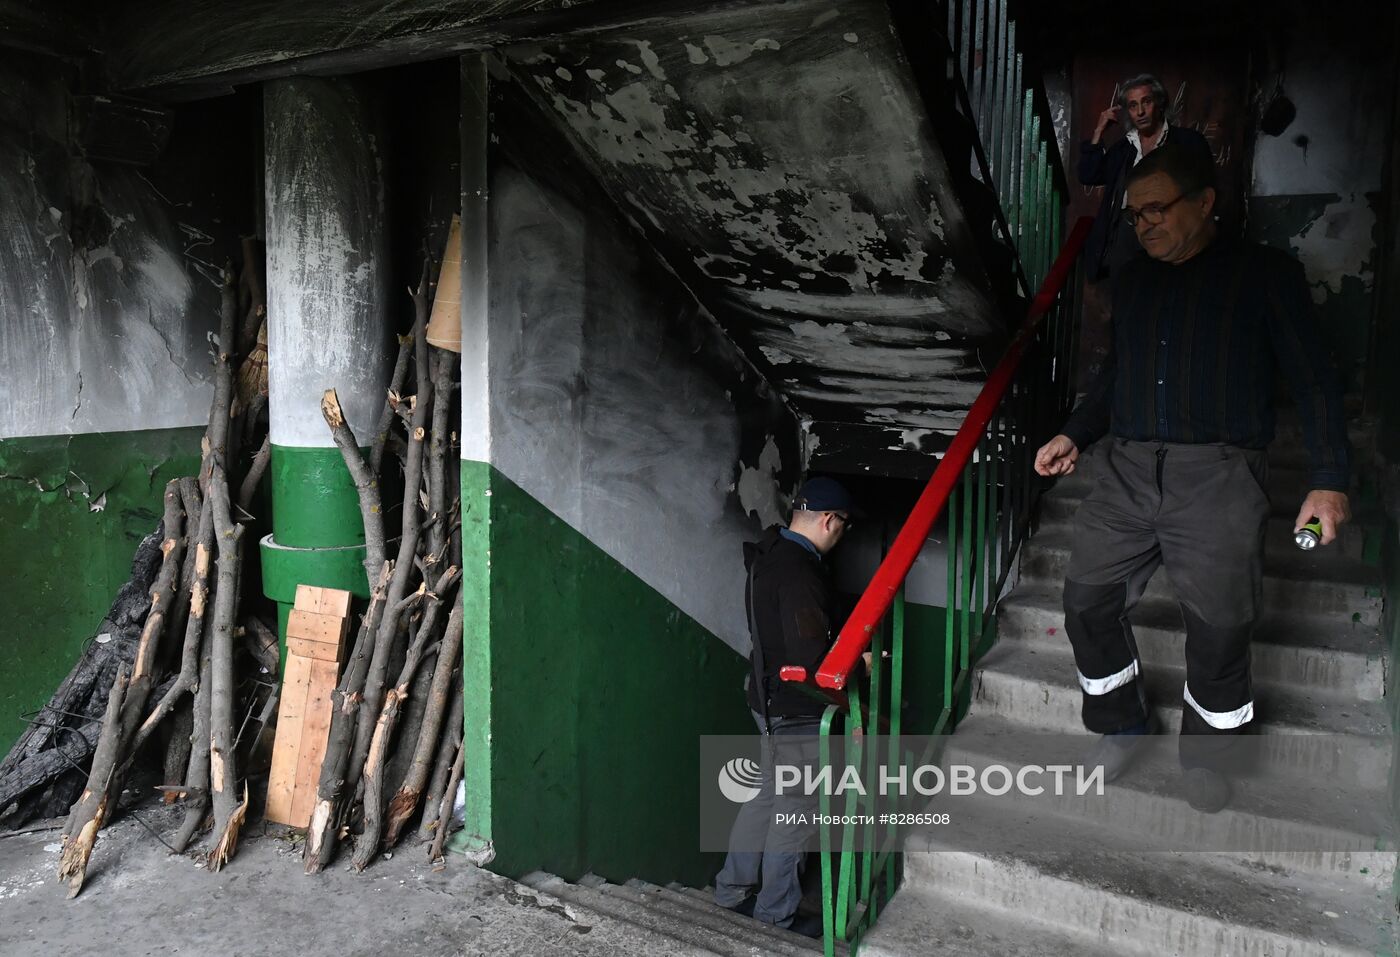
{"x": 1200, "y": 511}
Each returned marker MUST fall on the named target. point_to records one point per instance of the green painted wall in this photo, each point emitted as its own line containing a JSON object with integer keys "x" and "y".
{"x": 586, "y": 694}
{"x": 72, "y": 510}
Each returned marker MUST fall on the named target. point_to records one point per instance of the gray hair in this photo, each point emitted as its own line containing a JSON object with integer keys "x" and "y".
{"x": 1159, "y": 92}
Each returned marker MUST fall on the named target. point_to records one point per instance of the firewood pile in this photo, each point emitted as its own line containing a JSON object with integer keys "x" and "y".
{"x": 180, "y": 684}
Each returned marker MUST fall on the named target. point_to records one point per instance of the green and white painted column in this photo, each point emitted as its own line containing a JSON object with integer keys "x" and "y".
{"x": 327, "y": 328}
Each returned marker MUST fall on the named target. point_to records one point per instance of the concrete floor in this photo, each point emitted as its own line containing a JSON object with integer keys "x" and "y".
{"x": 141, "y": 900}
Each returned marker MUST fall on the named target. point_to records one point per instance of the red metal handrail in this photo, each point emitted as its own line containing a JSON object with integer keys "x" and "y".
{"x": 889, "y": 578}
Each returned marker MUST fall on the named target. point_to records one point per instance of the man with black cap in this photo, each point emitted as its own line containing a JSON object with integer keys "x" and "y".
{"x": 792, "y": 618}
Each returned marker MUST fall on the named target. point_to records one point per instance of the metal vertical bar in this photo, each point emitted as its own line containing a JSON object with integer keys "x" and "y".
{"x": 1005, "y": 109}
{"x": 1027, "y": 213}
{"x": 991, "y": 61}
{"x": 950, "y": 623}
{"x": 1047, "y": 214}
{"x": 824, "y": 834}
{"x": 969, "y": 568}
{"x": 965, "y": 53}
{"x": 979, "y": 60}
{"x": 984, "y": 588}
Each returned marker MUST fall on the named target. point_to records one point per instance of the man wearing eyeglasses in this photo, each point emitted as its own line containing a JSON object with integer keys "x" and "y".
{"x": 1142, "y": 101}
{"x": 1184, "y": 406}
{"x": 792, "y": 616}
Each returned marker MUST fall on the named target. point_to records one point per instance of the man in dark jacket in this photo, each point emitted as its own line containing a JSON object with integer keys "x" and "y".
{"x": 1143, "y": 101}
{"x": 1180, "y": 419}
{"x": 792, "y": 618}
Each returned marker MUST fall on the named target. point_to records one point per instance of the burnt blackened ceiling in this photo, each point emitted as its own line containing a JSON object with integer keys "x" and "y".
{"x": 779, "y": 159}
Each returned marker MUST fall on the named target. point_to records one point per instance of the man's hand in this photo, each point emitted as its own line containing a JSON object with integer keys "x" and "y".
{"x": 1330, "y": 508}
{"x": 1106, "y": 118}
{"x": 1056, "y": 457}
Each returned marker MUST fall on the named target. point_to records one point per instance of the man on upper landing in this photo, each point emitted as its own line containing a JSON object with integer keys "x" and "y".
{"x": 1142, "y": 100}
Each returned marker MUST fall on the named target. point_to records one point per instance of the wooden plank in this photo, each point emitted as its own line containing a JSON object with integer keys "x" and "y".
{"x": 310, "y": 626}
{"x": 315, "y": 730}
{"x": 298, "y": 646}
{"x": 323, "y": 601}
{"x": 286, "y": 749}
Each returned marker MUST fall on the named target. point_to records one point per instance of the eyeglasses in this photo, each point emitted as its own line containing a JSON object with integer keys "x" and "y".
{"x": 1152, "y": 214}
{"x": 845, "y": 519}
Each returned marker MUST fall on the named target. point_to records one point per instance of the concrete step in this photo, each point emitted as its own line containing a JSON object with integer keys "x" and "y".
{"x": 1310, "y": 825}
{"x": 1294, "y": 582}
{"x": 918, "y": 922}
{"x": 674, "y": 928}
{"x": 705, "y": 898}
{"x": 1057, "y": 511}
{"x": 609, "y": 931}
{"x": 1057, "y": 873}
{"x": 1040, "y": 690}
{"x": 1308, "y": 651}
{"x": 713, "y": 918}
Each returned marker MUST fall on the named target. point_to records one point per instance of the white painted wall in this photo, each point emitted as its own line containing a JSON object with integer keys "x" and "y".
{"x": 599, "y": 411}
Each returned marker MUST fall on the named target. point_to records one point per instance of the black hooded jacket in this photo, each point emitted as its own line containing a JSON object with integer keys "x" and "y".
{"x": 794, "y": 609}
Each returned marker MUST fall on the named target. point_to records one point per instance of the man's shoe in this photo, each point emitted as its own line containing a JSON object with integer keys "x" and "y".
{"x": 808, "y": 925}
{"x": 1116, "y": 752}
{"x": 1207, "y": 791}
{"x": 745, "y": 907}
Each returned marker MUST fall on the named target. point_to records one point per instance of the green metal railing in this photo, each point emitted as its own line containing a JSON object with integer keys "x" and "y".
{"x": 1016, "y": 154}
{"x": 984, "y": 491}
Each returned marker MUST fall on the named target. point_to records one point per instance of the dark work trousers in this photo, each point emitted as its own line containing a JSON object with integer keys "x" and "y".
{"x": 1200, "y": 510}
{"x": 766, "y": 852}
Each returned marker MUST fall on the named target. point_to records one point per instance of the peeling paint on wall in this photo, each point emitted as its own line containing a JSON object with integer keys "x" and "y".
{"x": 779, "y": 160}
{"x": 758, "y": 489}
{"x": 96, "y": 337}
{"x": 1337, "y": 245}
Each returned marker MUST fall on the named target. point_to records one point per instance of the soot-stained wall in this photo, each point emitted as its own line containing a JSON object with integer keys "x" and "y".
{"x": 1316, "y": 188}
{"x": 107, "y": 298}
{"x": 108, "y": 271}
{"x": 617, "y": 401}
{"x": 779, "y": 159}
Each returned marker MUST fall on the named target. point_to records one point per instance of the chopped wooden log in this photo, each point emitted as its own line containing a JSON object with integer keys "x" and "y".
{"x": 89, "y": 815}
{"x": 178, "y": 749}
{"x": 223, "y": 763}
{"x": 194, "y": 627}
{"x": 386, "y": 416}
{"x": 377, "y": 676}
{"x": 444, "y": 364}
{"x": 452, "y": 734}
{"x": 449, "y": 800}
{"x": 425, "y": 743}
{"x": 217, "y": 432}
{"x": 366, "y": 482}
{"x": 321, "y": 836}
{"x": 197, "y": 774}
{"x": 256, "y": 470}
{"x": 162, "y": 597}
{"x": 374, "y": 783}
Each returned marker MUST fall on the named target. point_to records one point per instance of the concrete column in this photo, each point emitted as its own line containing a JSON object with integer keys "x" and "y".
{"x": 327, "y": 292}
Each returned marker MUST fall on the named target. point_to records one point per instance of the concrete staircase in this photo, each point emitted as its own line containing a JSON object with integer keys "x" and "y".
{"x": 655, "y": 921}
{"x": 1137, "y": 871}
